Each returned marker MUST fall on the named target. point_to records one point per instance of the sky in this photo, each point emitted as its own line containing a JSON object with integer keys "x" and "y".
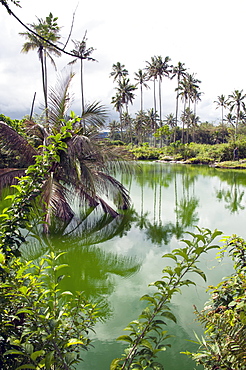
{"x": 208, "y": 36}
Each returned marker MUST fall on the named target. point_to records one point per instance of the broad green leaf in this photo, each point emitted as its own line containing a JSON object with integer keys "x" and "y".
{"x": 147, "y": 344}
{"x": 170, "y": 255}
{"x": 36, "y": 354}
{"x": 27, "y": 366}
{"x": 49, "y": 359}
{"x": 57, "y": 268}
{"x": 200, "y": 272}
{"x": 126, "y": 338}
{"x": 114, "y": 363}
{"x": 13, "y": 352}
{"x": 67, "y": 292}
{"x": 148, "y": 298}
{"x": 74, "y": 341}
{"x": 169, "y": 315}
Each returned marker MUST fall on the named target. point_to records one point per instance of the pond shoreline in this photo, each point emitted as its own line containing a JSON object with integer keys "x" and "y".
{"x": 239, "y": 165}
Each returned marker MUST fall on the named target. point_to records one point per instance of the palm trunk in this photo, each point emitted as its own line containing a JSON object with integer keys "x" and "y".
{"x": 82, "y": 92}
{"x": 141, "y": 97}
{"x": 44, "y": 81}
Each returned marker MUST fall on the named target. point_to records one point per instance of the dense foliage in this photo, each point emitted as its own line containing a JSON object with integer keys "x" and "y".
{"x": 224, "y": 317}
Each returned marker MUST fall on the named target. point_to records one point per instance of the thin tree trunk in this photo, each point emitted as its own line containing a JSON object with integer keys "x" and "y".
{"x": 33, "y": 100}
{"x": 44, "y": 79}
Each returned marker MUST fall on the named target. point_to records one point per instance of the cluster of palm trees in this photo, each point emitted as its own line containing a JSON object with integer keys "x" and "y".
{"x": 147, "y": 122}
{"x": 235, "y": 103}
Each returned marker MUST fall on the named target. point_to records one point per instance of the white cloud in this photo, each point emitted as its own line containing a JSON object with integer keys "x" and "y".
{"x": 205, "y": 35}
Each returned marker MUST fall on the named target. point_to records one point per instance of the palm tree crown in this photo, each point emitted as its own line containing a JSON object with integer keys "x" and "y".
{"x": 82, "y": 53}
{"x": 49, "y": 30}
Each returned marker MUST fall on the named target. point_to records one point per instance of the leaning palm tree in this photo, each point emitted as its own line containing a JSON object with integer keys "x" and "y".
{"x": 48, "y": 29}
{"x": 82, "y": 53}
{"x": 84, "y": 167}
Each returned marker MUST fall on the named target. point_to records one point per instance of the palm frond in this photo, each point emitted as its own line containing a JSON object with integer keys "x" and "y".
{"x": 55, "y": 201}
{"x": 94, "y": 115}
{"x": 17, "y": 143}
{"x": 115, "y": 191}
{"x": 8, "y": 176}
{"x": 59, "y": 99}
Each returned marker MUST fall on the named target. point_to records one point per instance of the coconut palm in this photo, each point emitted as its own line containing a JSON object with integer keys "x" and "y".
{"x": 141, "y": 78}
{"x": 49, "y": 30}
{"x": 237, "y": 104}
{"x": 82, "y": 53}
{"x": 125, "y": 91}
{"x": 180, "y": 72}
{"x": 163, "y": 69}
{"x": 119, "y": 71}
{"x": 83, "y": 169}
{"x": 118, "y": 105}
{"x": 221, "y": 102}
{"x": 152, "y": 73}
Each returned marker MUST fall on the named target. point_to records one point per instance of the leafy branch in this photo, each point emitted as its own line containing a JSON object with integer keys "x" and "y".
{"x": 146, "y": 335}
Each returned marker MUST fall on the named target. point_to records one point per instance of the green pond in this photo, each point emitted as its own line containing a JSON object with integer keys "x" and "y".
{"x": 113, "y": 261}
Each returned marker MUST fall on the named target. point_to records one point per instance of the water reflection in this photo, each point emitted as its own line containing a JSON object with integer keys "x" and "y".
{"x": 91, "y": 269}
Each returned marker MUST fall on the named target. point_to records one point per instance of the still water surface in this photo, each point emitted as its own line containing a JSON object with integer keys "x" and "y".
{"x": 114, "y": 261}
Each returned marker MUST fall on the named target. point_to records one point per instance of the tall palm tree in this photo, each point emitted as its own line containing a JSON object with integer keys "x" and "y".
{"x": 179, "y": 71}
{"x": 163, "y": 69}
{"x": 141, "y": 78}
{"x": 49, "y": 30}
{"x": 152, "y": 72}
{"x": 118, "y": 71}
{"x": 237, "y": 104}
{"x": 82, "y": 53}
{"x": 83, "y": 169}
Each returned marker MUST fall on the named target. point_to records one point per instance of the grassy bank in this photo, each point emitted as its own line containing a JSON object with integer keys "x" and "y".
{"x": 220, "y": 155}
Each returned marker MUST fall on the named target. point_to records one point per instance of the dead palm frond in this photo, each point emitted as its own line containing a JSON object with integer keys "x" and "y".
{"x": 16, "y": 143}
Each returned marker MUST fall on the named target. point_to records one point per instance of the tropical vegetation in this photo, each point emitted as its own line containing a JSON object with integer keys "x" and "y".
{"x": 61, "y": 155}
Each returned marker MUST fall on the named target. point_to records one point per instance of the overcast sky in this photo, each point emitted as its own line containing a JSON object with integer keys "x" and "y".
{"x": 208, "y": 36}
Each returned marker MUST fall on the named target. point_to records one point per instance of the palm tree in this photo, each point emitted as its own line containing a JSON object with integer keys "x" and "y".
{"x": 119, "y": 71}
{"x": 82, "y": 53}
{"x": 180, "y": 72}
{"x": 141, "y": 77}
{"x": 152, "y": 74}
{"x": 83, "y": 169}
{"x": 163, "y": 69}
{"x": 236, "y": 104}
{"x": 49, "y": 30}
{"x": 221, "y": 102}
{"x": 125, "y": 91}
{"x": 170, "y": 120}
